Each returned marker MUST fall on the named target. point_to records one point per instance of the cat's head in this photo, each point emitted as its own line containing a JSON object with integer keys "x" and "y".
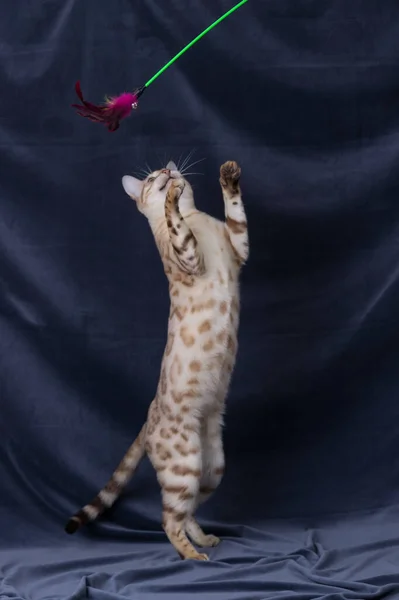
{"x": 150, "y": 193}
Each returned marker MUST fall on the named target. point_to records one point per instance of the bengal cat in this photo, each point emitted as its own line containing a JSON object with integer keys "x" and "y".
{"x": 202, "y": 259}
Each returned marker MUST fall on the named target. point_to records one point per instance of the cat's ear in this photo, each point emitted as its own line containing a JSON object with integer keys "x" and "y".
{"x": 171, "y": 165}
{"x": 132, "y": 186}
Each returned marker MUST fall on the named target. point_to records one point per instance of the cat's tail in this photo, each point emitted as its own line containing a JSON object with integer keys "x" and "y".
{"x": 111, "y": 491}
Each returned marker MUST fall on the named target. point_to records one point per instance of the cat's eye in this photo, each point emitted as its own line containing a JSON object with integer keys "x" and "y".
{"x": 150, "y": 179}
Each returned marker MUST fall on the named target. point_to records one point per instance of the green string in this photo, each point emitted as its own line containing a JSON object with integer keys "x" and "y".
{"x": 195, "y": 40}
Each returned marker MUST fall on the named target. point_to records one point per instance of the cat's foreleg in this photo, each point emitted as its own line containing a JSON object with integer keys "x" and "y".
{"x": 236, "y": 220}
{"x": 185, "y": 246}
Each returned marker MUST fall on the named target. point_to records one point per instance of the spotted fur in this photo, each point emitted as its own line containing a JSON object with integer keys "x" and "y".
{"x": 182, "y": 436}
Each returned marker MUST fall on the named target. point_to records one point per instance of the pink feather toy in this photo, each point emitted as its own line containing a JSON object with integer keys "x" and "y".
{"x": 112, "y": 112}
{"x": 115, "y": 109}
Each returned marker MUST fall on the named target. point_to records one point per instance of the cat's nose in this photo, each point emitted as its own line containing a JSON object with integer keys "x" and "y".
{"x": 166, "y": 171}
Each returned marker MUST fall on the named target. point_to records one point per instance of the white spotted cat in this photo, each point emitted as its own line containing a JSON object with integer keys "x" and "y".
{"x": 182, "y": 436}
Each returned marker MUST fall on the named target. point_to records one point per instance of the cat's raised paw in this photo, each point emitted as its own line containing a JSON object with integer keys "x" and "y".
{"x": 175, "y": 191}
{"x": 230, "y": 174}
{"x": 178, "y": 186}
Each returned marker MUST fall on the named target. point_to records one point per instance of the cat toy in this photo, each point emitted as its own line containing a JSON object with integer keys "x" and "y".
{"x": 115, "y": 109}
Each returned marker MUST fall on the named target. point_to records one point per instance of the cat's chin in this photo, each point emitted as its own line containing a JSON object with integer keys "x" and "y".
{"x": 167, "y": 185}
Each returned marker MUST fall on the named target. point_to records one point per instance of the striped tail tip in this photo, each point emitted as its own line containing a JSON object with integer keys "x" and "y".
{"x": 73, "y": 525}
{"x": 77, "y": 521}
{"x": 85, "y": 515}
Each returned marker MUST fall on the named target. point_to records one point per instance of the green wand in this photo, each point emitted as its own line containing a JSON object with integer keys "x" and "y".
{"x": 116, "y": 109}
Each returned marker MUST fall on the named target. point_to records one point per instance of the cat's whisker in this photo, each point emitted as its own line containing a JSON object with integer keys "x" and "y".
{"x": 192, "y": 173}
{"x": 144, "y": 173}
{"x": 178, "y": 162}
{"x": 195, "y": 162}
{"x": 192, "y": 165}
{"x": 185, "y": 161}
{"x": 140, "y": 173}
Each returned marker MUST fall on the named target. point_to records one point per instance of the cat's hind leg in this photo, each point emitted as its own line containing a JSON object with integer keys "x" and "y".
{"x": 179, "y": 468}
{"x": 199, "y": 537}
{"x": 178, "y": 502}
{"x": 212, "y": 472}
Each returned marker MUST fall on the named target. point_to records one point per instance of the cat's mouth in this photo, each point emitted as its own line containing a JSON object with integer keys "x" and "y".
{"x": 167, "y": 181}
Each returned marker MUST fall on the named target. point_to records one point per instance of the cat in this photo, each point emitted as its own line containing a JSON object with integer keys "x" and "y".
{"x": 202, "y": 258}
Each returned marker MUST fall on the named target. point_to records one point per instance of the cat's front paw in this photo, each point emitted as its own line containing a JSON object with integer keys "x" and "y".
{"x": 230, "y": 174}
{"x": 178, "y": 186}
{"x": 175, "y": 190}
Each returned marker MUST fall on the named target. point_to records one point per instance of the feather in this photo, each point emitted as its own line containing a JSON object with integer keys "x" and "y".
{"x": 111, "y": 113}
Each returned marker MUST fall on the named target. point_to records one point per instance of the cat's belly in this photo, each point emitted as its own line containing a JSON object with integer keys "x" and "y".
{"x": 206, "y": 336}
{"x": 198, "y": 363}
{"x": 202, "y": 344}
